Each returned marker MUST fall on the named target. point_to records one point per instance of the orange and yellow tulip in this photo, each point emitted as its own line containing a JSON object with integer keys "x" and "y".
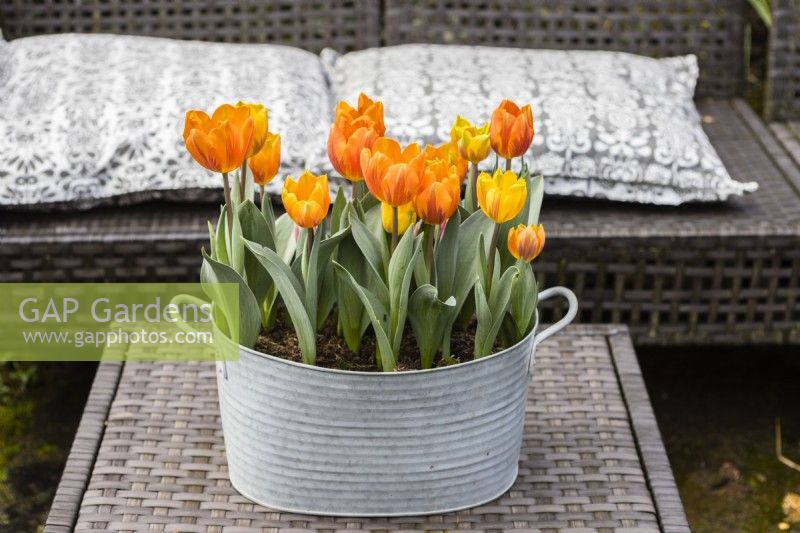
{"x": 353, "y": 130}
{"x": 511, "y": 129}
{"x": 526, "y": 242}
{"x": 405, "y": 217}
{"x": 393, "y": 174}
{"x": 439, "y": 193}
{"x": 501, "y": 195}
{"x": 448, "y": 153}
{"x": 260, "y": 117}
{"x": 220, "y": 142}
{"x": 473, "y": 142}
{"x": 306, "y": 200}
{"x": 266, "y": 163}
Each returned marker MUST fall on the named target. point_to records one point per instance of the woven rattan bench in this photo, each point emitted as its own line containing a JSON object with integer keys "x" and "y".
{"x": 148, "y": 454}
{"x": 696, "y": 274}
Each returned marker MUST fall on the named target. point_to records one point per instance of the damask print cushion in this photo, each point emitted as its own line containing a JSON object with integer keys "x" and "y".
{"x": 89, "y": 118}
{"x": 608, "y": 125}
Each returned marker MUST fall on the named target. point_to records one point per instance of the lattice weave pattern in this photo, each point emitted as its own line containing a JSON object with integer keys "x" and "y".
{"x": 161, "y": 460}
{"x": 783, "y": 85}
{"x": 711, "y": 29}
{"x": 309, "y": 24}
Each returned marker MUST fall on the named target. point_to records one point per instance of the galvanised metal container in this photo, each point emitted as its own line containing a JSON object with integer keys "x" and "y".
{"x": 320, "y": 441}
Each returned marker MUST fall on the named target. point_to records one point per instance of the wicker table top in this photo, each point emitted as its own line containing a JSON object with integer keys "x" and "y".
{"x": 149, "y": 454}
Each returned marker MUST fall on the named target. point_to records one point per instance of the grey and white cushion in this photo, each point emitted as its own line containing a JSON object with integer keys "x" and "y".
{"x": 608, "y": 124}
{"x": 88, "y": 118}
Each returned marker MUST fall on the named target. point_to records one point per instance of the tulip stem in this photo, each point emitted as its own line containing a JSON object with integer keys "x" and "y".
{"x": 428, "y": 231}
{"x": 261, "y": 195}
{"x": 358, "y": 190}
{"x": 226, "y": 188}
{"x": 508, "y": 163}
{"x": 395, "y": 226}
{"x": 473, "y": 186}
{"x": 242, "y": 180}
{"x": 490, "y": 259}
{"x": 309, "y": 241}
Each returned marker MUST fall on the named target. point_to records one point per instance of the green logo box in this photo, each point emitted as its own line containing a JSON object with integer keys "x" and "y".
{"x": 118, "y": 322}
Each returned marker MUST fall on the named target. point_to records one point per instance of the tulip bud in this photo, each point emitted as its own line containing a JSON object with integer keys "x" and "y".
{"x": 266, "y": 163}
{"x": 306, "y": 200}
{"x": 526, "y": 242}
{"x": 260, "y": 117}
{"x": 473, "y": 143}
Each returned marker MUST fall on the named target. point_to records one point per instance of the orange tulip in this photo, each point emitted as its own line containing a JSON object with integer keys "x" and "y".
{"x": 511, "y": 129}
{"x": 405, "y": 217}
{"x": 266, "y": 163}
{"x": 393, "y": 175}
{"x": 306, "y": 200}
{"x": 439, "y": 194}
{"x": 526, "y": 242}
{"x": 220, "y": 142}
{"x": 448, "y": 153}
{"x": 352, "y": 131}
{"x": 501, "y": 195}
{"x": 260, "y": 117}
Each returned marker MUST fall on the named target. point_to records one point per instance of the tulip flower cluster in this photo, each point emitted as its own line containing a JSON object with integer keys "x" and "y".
{"x": 404, "y": 248}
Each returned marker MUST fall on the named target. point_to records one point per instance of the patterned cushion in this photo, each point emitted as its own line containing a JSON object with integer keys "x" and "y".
{"x": 85, "y": 118}
{"x": 608, "y": 125}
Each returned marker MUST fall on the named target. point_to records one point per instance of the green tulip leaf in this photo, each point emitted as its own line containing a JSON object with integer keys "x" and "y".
{"x": 338, "y": 219}
{"x": 353, "y": 319}
{"x": 245, "y": 311}
{"x": 293, "y": 296}
{"x": 285, "y": 242}
{"x": 375, "y": 252}
{"x": 379, "y": 318}
{"x": 399, "y": 282}
{"x": 446, "y": 256}
{"x": 255, "y": 228}
{"x": 428, "y": 316}
{"x": 524, "y": 298}
{"x": 220, "y": 247}
{"x": 491, "y": 312}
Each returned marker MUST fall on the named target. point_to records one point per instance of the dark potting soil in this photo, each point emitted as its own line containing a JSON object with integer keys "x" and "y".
{"x": 332, "y": 351}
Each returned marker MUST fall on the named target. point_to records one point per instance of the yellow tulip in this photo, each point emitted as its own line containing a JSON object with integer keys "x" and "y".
{"x": 473, "y": 143}
{"x": 260, "y": 117}
{"x": 405, "y": 217}
{"x": 266, "y": 163}
{"x": 501, "y": 195}
{"x": 526, "y": 242}
{"x": 306, "y": 200}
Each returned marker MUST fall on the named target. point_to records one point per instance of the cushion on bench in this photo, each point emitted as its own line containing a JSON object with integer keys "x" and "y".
{"x": 88, "y": 118}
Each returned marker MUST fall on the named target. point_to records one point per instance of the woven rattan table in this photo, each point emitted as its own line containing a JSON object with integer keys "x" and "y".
{"x": 149, "y": 454}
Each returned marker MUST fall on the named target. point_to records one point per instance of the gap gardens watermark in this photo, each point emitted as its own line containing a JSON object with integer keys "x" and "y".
{"x": 117, "y": 321}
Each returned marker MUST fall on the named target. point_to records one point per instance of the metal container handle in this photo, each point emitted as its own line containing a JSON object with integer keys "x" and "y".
{"x": 572, "y": 301}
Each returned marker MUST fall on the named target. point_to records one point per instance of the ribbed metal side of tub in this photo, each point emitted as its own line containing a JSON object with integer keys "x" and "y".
{"x": 316, "y": 441}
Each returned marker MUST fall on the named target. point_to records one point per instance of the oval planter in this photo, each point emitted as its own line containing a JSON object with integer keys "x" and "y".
{"x": 320, "y": 441}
